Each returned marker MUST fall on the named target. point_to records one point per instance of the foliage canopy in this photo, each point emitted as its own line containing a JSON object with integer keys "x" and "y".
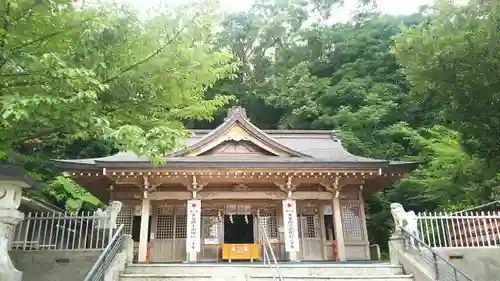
{"x": 102, "y": 73}
{"x": 78, "y": 82}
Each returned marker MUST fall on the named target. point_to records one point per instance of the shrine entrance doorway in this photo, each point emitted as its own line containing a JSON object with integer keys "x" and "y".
{"x": 238, "y": 229}
{"x": 239, "y": 239}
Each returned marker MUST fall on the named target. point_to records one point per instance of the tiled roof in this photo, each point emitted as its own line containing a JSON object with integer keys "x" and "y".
{"x": 308, "y": 148}
{"x": 15, "y": 173}
{"x": 324, "y": 147}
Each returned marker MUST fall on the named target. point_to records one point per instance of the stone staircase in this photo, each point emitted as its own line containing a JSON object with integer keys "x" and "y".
{"x": 262, "y": 272}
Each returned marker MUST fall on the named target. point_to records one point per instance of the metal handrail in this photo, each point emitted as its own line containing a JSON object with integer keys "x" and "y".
{"x": 96, "y": 272}
{"x": 440, "y": 273}
{"x": 274, "y": 261}
{"x": 477, "y": 207}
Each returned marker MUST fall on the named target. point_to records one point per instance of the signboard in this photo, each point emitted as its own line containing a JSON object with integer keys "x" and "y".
{"x": 137, "y": 210}
{"x": 328, "y": 210}
{"x": 291, "y": 231}
{"x": 193, "y": 226}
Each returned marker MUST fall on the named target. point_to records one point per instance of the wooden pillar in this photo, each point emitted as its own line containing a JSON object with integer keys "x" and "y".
{"x": 143, "y": 238}
{"x": 153, "y": 256}
{"x": 363, "y": 221}
{"x": 323, "y": 231}
{"x": 280, "y": 221}
{"x": 339, "y": 230}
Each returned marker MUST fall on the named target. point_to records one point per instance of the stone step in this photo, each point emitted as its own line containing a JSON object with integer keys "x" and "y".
{"x": 199, "y": 277}
{"x": 165, "y": 277}
{"x": 337, "y": 278}
{"x": 296, "y": 269}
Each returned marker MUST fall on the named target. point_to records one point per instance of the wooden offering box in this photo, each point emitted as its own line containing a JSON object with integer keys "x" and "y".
{"x": 240, "y": 252}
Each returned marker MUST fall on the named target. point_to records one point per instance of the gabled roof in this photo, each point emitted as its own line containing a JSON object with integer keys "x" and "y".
{"x": 237, "y": 118}
{"x": 287, "y": 148}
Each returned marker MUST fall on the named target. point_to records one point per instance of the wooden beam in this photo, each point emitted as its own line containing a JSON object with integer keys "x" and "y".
{"x": 224, "y": 195}
{"x": 256, "y": 172}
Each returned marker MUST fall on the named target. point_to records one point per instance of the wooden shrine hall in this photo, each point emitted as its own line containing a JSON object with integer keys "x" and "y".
{"x": 213, "y": 199}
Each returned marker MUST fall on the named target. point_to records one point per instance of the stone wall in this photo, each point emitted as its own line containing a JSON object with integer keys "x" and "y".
{"x": 407, "y": 260}
{"x": 54, "y": 265}
{"x": 478, "y": 263}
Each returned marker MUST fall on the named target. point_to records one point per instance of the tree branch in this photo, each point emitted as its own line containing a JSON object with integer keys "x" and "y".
{"x": 154, "y": 54}
{"x": 6, "y": 25}
{"x": 41, "y": 133}
{"x": 50, "y": 35}
{"x": 28, "y": 11}
{"x": 20, "y": 84}
{"x": 39, "y": 39}
{"x": 16, "y": 74}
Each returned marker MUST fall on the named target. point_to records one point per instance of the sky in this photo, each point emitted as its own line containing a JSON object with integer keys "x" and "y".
{"x": 384, "y": 6}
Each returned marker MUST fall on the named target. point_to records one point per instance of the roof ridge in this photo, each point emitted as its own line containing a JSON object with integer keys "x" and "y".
{"x": 278, "y": 131}
{"x": 238, "y": 115}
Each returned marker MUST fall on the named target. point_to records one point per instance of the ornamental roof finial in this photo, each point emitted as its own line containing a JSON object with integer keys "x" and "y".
{"x": 236, "y": 110}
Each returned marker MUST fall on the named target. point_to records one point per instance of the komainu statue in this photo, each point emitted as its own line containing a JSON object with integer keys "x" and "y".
{"x": 405, "y": 220}
{"x": 108, "y": 216}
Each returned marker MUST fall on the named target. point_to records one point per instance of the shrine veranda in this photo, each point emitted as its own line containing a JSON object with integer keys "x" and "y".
{"x": 212, "y": 200}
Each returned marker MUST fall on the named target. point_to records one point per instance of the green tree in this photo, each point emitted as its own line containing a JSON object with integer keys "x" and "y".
{"x": 452, "y": 60}
{"x": 344, "y": 76}
{"x": 264, "y": 40}
{"x": 98, "y": 72}
{"x": 101, "y": 73}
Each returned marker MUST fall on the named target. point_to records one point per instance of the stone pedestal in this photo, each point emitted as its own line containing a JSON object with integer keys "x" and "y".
{"x": 192, "y": 257}
{"x": 9, "y": 218}
{"x": 396, "y": 245}
{"x": 294, "y": 256}
{"x": 128, "y": 243}
{"x": 10, "y": 199}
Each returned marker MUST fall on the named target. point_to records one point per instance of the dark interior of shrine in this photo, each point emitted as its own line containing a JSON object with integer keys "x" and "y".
{"x": 239, "y": 230}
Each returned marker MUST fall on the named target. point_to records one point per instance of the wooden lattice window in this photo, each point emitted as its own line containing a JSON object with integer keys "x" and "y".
{"x": 308, "y": 226}
{"x": 210, "y": 226}
{"x": 269, "y": 221}
{"x": 180, "y": 225}
{"x": 126, "y": 217}
{"x": 171, "y": 222}
{"x": 352, "y": 223}
{"x": 165, "y": 227}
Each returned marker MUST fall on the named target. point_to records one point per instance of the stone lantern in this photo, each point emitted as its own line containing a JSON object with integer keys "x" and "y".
{"x": 12, "y": 181}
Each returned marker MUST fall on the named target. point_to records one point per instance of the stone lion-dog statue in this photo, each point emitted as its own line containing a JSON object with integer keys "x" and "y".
{"x": 407, "y": 221}
{"x": 108, "y": 216}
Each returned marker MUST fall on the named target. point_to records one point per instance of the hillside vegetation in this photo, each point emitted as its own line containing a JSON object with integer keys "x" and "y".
{"x": 85, "y": 81}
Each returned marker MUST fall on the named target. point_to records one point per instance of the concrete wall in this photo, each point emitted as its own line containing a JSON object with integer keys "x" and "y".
{"x": 54, "y": 265}
{"x": 478, "y": 263}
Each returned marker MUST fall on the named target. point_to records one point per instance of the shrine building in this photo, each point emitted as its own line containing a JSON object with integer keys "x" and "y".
{"x": 214, "y": 199}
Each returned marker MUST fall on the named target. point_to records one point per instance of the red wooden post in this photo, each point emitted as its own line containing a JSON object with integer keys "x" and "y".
{"x": 335, "y": 251}
{"x": 147, "y": 252}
